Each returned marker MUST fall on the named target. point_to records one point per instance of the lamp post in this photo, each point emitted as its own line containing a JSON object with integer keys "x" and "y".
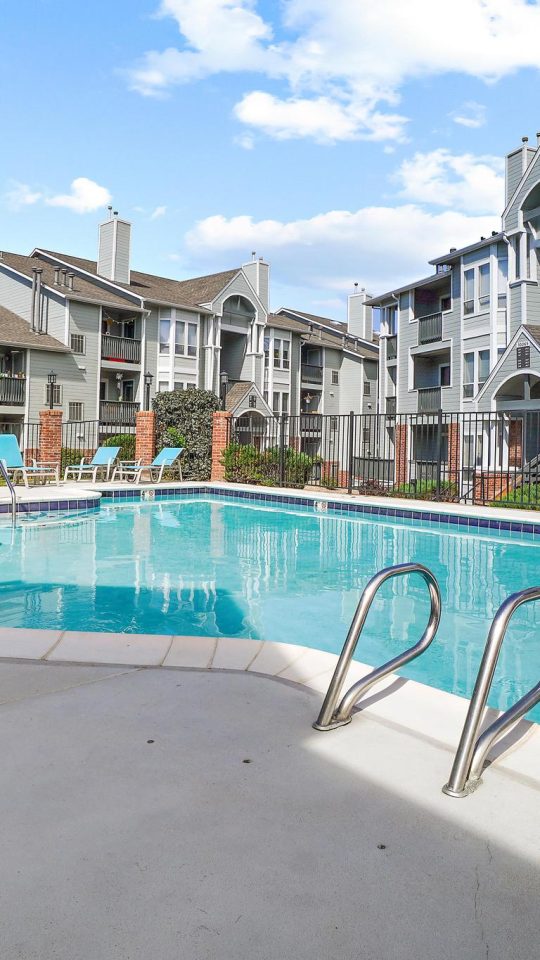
{"x": 51, "y": 380}
{"x": 224, "y": 382}
{"x": 147, "y": 384}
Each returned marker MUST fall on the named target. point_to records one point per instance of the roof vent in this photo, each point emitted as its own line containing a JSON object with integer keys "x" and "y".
{"x": 453, "y": 249}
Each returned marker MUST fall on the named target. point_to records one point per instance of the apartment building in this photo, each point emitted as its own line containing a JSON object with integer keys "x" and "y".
{"x": 101, "y": 326}
{"x": 467, "y": 337}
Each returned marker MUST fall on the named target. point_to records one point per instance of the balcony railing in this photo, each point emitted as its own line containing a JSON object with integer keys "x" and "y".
{"x": 12, "y": 390}
{"x": 429, "y": 399}
{"x": 430, "y": 328}
{"x": 391, "y": 347}
{"x": 120, "y": 348}
{"x": 391, "y": 405}
{"x": 310, "y": 423}
{"x": 312, "y": 373}
{"x": 119, "y": 413}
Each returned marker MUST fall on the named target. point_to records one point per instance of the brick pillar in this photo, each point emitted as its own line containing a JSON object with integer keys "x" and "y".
{"x": 453, "y": 452}
{"x": 50, "y": 436}
{"x": 220, "y": 440}
{"x": 401, "y": 453}
{"x": 145, "y": 436}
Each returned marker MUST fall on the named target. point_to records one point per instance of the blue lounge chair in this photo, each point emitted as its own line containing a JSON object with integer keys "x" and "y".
{"x": 167, "y": 459}
{"x": 102, "y": 461}
{"x": 11, "y": 457}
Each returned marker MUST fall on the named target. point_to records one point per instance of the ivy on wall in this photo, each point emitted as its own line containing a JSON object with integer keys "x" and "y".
{"x": 189, "y": 414}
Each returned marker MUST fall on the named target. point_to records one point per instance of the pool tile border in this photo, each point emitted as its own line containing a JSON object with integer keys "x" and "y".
{"x": 336, "y": 506}
{"x": 86, "y": 503}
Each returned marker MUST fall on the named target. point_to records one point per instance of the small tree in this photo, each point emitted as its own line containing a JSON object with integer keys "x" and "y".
{"x": 189, "y": 413}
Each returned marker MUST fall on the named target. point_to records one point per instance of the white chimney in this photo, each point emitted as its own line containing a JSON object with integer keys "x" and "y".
{"x": 114, "y": 252}
{"x": 258, "y": 274}
{"x": 359, "y": 316}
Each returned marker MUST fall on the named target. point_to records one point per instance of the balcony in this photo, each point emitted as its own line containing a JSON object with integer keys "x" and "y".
{"x": 120, "y": 349}
{"x": 391, "y": 348}
{"x": 118, "y": 413}
{"x": 391, "y": 405}
{"x": 429, "y": 399}
{"x": 430, "y": 328}
{"x": 311, "y": 424}
{"x": 12, "y": 390}
{"x": 312, "y": 373}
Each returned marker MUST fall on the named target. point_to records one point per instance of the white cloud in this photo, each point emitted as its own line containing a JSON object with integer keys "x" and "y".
{"x": 333, "y": 58}
{"x": 470, "y": 114}
{"x": 158, "y": 212}
{"x": 465, "y": 182}
{"x": 86, "y": 195}
{"x": 379, "y": 247}
{"x": 19, "y": 195}
{"x": 245, "y": 140}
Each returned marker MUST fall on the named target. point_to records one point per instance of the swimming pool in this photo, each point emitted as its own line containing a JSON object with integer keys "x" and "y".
{"x": 208, "y": 566}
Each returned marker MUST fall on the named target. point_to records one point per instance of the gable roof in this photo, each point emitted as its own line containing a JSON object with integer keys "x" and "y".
{"x": 334, "y": 336}
{"x": 533, "y": 334}
{"x": 84, "y": 288}
{"x": 189, "y": 293}
{"x": 16, "y": 332}
{"x": 238, "y": 393}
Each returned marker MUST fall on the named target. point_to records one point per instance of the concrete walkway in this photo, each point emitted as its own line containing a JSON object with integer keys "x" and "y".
{"x": 134, "y": 829}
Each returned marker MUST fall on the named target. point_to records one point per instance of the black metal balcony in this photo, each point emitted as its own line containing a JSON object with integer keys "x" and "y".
{"x": 120, "y": 348}
{"x": 12, "y": 390}
{"x": 311, "y": 423}
{"x": 119, "y": 413}
{"x": 312, "y": 373}
{"x": 391, "y": 347}
{"x": 429, "y": 399}
{"x": 430, "y": 328}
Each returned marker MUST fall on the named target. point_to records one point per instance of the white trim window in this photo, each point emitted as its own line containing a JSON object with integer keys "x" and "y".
{"x": 282, "y": 350}
{"x": 76, "y": 410}
{"x": 77, "y": 342}
{"x": 476, "y": 289}
{"x": 335, "y": 378}
{"x": 185, "y": 334}
{"x": 164, "y": 332}
{"x": 280, "y": 402}
{"x": 476, "y": 365}
{"x": 163, "y": 386}
{"x": 57, "y": 394}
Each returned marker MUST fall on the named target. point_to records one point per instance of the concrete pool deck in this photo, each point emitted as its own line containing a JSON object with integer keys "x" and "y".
{"x": 166, "y": 813}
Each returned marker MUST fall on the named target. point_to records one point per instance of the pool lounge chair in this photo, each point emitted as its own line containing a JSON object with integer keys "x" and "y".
{"x": 167, "y": 459}
{"x": 12, "y": 459}
{"x": 102, "y": 461}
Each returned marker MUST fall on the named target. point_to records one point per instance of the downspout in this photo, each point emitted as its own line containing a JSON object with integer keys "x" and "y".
{"x": 33, "y": 301}
{"x": 37, "y": 318}
{"x": 507, "y": 324}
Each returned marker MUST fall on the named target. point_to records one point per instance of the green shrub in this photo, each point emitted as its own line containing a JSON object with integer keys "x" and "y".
{"x": 189, "y": 413}
{"x": 126, "y": 442}
{"x": 245, "y": 464}
{"x": 70, "y": 457}
{"x": 425, "y": 490}
{"x": 172, "y": 437}
{"x": 526, "y": 497}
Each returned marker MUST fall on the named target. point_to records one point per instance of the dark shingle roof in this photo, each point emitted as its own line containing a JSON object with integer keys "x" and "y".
{"x": 237, "y": 393}
{"x": 84, "y": 289}
{"x": 16, "y": 332}
{"x": 189, "y": 293}
{"x": 533, "y": 330}
{"x": 327, "y": 337}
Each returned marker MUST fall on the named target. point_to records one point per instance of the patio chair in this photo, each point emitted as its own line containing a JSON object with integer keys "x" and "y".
{"x": 167, "y": 459}
{"x": 12, "y": 459}
{"x": 102, "y": 461}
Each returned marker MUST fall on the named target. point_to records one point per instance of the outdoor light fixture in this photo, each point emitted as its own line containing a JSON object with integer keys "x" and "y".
{"x": 51, "y": 380}
{"x": 224, "y": 382}
{"x": 147, "y": 384}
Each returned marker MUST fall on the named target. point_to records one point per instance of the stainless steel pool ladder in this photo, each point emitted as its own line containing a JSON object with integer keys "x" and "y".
{"x": 473, "y": 749}
{"x": 11, "y": 489}
{"x": 334, "y": 715}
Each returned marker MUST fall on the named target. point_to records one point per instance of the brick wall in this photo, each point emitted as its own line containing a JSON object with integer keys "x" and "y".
{"x": 221, "y": 429}
{"x": 145, "y": 436}
{"x": 401, "y": 453}
{"x": 453, "y": 452}
{"x": 50, "y": 436}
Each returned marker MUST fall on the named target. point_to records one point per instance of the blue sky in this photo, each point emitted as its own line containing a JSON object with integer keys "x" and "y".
{"x": 344, "y": 141}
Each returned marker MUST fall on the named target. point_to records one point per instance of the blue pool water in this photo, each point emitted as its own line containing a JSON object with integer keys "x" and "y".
{"x": 225, "y": 568}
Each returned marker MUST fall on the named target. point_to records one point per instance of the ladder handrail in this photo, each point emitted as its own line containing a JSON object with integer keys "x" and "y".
{"x": 333, "y": 715}
{"x": 473, "y": 749}
{"x": 11, "y": 489}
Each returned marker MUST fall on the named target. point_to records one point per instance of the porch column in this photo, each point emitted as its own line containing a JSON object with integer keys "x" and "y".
{"x": 145, "y": 436}
{"x": 221, "y": 430}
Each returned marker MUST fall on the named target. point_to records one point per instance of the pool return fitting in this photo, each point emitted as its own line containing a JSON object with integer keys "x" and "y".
{"x": 334, "y": 715}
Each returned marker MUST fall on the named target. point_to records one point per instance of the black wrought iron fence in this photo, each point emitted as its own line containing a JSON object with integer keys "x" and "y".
{"x": 480, "y": 458}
